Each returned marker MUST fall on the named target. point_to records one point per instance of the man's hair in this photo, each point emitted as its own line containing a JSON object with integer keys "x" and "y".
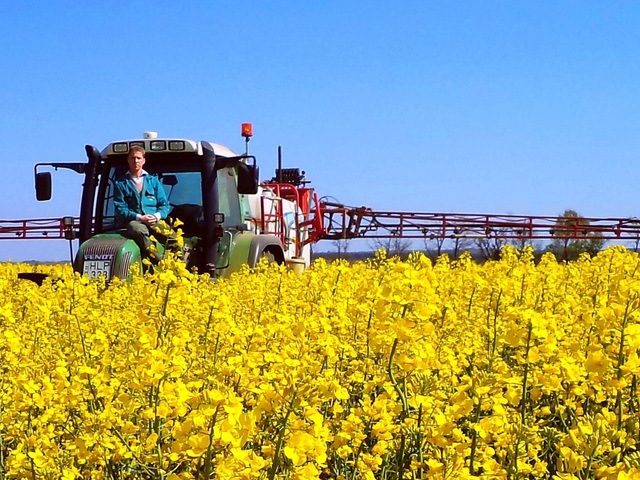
{"x": 136, "y": 148}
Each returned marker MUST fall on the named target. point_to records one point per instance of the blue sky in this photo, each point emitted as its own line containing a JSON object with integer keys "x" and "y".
{"x": 528, "y": 107}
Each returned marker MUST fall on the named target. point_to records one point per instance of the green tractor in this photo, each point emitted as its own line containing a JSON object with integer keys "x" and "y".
{"x": 228, "y": 217}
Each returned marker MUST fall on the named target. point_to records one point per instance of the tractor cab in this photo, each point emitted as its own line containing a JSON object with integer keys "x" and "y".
{"x": 181, "y": 176}
{"x": 205, "y": 183}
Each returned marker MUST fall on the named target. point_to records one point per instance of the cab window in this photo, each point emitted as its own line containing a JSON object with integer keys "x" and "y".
{"x": 229, "y": 198}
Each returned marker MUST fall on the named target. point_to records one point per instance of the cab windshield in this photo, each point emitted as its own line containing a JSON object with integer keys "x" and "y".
{"x": 182, "y": 182}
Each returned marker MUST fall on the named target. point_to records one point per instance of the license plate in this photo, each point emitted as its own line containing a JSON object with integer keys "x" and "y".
{"x": 95, "y": 268}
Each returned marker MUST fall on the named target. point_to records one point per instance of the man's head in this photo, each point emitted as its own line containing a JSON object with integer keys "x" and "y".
{"x": 136, "y": 160}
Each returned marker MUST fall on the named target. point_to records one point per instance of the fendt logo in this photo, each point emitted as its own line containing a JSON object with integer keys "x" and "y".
{"x": 97, "y": 256}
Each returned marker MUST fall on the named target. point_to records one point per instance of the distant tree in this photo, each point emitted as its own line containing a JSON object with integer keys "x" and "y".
{"x": 570, "y": 240}
{"x": 394, "y": 246}
{"x": 521, "y": 242}
{"x": 342, "y": 246}
{"x": 460, "y": 245}
{"x": 490, "y": 246}
{"x": 433, "y": 246}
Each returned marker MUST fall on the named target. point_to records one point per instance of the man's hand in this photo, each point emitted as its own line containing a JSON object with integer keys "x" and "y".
{"x": 149, "y": 220}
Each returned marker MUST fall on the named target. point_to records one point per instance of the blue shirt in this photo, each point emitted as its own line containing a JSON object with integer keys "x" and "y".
{"x": 152, "y": 200}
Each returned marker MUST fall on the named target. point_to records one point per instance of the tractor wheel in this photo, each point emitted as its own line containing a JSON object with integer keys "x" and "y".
{"x": 269, "y": 256}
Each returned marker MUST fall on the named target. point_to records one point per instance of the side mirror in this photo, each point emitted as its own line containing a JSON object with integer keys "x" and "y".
{"x": 247, "y": 179}
{"x": 43, "y": 186}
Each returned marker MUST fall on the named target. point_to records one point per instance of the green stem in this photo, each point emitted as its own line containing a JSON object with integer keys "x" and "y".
{"x": 400, "y": 458}
{"x": 142, "y": 464}
{"x": 206, "y": 332}
{"x": 166, "y": 301}
{"x": 592, "y": 455}
{"x": 619, "y": 374}
{"x": 394, "y": 382}
{"x": 208, "y": 454}
{"x": 215, "y": 351}
{"x": 283, "y": 427}
{"x": 474, "y": 439}
{"x": 419, "y": 442}
{"x": 357, "y": 457}
{"x": 494, "y": 340}
{"x": 523, "y": 408}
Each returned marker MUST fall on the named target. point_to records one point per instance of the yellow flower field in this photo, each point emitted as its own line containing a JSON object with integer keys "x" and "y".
{"x": 378, "y": 370}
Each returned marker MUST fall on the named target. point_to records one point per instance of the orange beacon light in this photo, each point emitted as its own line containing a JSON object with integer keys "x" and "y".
{"x": 247, "y": 130}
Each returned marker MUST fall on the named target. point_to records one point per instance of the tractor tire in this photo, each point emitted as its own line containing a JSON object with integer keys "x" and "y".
{"x": 269, "y": 256}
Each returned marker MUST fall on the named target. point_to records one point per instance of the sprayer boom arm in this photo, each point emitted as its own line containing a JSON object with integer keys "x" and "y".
{"x": 36, "y": 229}
{"x": 343, "y": 222}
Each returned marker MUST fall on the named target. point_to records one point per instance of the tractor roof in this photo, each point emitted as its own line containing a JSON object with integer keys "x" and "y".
{"x": 151, "y": 143}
